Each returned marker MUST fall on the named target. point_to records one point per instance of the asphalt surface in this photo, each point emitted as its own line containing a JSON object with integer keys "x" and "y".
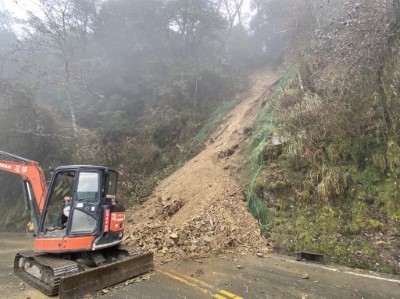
{"x": 250, "y": 276}
{"x": 230, "y": 276}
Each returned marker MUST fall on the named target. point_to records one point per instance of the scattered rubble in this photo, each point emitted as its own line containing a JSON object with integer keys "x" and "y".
{"x": 305, "y": 276}
{"x": 225, "y": 225}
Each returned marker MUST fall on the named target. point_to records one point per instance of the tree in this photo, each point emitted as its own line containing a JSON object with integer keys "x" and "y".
{"x": 62, "y": 27}
{"x": 276, "y": 24}
{"x": 8, "y": 41}
{"x": 196, "y": 28}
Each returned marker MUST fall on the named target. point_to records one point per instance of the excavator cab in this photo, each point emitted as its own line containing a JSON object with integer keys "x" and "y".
{"x": 81, "y": 211}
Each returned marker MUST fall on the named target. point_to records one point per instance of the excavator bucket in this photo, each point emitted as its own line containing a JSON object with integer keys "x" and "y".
{"x": 82, "y": 283}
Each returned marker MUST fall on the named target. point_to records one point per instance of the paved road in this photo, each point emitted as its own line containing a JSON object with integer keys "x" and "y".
{"x": 227, "y": 277}
{"x": 252, "y": 277}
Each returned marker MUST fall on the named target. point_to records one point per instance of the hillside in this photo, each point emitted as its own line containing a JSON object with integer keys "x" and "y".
{"x": 324, "y": 148}
{"x": 330, "y": 183}
{"x": 201, "y": 209}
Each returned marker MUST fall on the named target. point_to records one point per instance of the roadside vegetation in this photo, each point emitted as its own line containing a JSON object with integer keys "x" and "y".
{"x": 328, "y": 139}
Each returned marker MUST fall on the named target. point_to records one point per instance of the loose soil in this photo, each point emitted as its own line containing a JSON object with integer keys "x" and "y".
{"x": 201, "y": 209}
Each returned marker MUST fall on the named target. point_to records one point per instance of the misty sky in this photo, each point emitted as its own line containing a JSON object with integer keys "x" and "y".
{"x": 18, "y": 7}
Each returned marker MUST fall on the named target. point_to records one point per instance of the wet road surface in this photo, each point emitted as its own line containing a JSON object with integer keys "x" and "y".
{"x": 229, "y": 276}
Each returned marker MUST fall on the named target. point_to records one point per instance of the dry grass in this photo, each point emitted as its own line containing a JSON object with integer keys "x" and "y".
{"x": 393, "y": 156}
{"x": 330, "y": 186}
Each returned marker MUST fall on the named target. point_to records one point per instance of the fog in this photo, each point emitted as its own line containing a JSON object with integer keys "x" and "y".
{"x": 125, "y": 83}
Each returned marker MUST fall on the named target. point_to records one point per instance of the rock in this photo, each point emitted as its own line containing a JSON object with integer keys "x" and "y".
{"x": 305, "y": 276}
{"x": 173, "y": 236}
{"x": 207, "y": 239}
{"x": 199, "y": 272}
{"x": 146, "y": 277}
{"x": 259, "y": 254}
{"x": 247, "y": 130}
{"x": 169, "y": 243}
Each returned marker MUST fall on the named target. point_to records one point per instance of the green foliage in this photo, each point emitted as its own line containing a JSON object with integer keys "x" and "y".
{"x": 14, "y": 217}
{"x": 27, "y": 130}
{"x": 332, "y": 185}
{"x": 264, "y": 128}
{"x": 276, "y": 25}
{"x": 322, "y": 229}
{"x": 242, "y": 48}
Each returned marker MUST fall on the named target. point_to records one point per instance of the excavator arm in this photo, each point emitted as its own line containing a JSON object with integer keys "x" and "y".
{"x": 33, "y": 179}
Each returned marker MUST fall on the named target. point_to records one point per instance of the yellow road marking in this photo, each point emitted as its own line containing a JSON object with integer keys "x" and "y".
{"x": 199, "y": 281}
{"x": 224, "y": 292}
{"x": 183, "y": 281}
{"x": 200, "y": 285}
{"x": 230, "y": 294}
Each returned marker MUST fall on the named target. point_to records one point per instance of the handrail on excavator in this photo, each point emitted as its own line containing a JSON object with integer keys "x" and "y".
{"x": 15, "y": 157}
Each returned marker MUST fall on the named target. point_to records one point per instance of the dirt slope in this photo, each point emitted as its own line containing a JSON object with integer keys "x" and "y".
{"x": 200, "y": 209}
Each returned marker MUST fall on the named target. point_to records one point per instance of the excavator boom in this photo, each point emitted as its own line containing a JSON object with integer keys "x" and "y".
{"x": 30, "y": 171}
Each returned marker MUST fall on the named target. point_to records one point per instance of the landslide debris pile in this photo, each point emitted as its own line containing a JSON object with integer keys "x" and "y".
{"x": 223, "y": 227}
{"x": 200, "y": 210}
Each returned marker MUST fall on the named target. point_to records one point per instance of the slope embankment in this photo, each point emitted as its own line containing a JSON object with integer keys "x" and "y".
{"x": 201, "y": 209}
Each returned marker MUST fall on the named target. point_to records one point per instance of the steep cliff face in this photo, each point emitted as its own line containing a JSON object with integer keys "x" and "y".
{"x": 332, "y": 184}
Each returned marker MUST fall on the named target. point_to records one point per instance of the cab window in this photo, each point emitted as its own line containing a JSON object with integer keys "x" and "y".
{"x": 62, "y": 188}
{"x": 88, "y": 187}
{"x": 86, "y": 211}
{"x": 112, "y": 183}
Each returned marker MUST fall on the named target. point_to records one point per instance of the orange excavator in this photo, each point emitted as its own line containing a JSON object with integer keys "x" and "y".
{"x": 78, "y": 229}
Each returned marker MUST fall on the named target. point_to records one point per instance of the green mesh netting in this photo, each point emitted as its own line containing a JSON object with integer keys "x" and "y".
{"x": 263, "y": 130}
{"x": 214, "y": 119}
{"x": 205, "y": 131}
